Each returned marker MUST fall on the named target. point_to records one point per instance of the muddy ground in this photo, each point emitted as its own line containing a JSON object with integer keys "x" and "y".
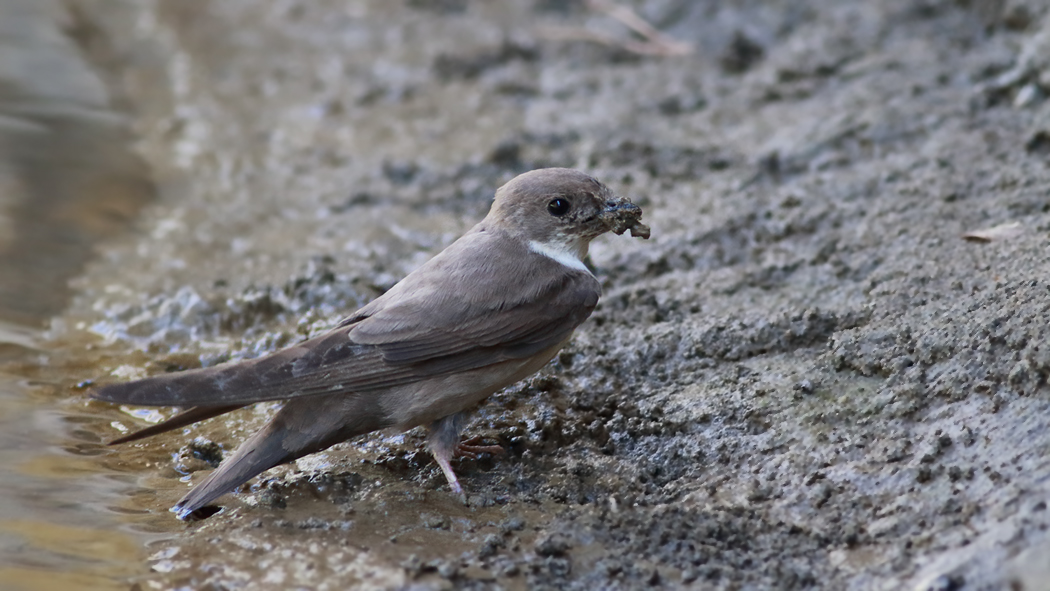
{"x": 808, "y": 378}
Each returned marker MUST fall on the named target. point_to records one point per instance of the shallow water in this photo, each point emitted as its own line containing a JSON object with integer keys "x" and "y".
{"x": 67, "y": 179}
{"x": 63, "y": 519}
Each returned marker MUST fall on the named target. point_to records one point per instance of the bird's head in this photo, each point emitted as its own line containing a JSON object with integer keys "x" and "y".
{"x": 562, "y": 209}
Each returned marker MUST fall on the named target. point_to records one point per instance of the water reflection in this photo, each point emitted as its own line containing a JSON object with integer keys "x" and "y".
{"x": 67, "y": 180}
{"x": 57, "y": 524}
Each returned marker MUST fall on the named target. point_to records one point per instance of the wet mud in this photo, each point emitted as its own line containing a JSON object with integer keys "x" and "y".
{"x": 806, "y": 378}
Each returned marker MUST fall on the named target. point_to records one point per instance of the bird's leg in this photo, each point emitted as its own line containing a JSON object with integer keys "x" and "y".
{"x": 443, "y": 441}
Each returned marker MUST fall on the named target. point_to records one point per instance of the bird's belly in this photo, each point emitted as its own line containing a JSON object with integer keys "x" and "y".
{"x": 423, "y": 402}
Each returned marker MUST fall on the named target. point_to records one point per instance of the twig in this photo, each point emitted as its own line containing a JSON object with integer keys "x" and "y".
{"x": 654, "y": 42}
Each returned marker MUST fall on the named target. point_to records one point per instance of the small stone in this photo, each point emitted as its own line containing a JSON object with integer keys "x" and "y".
{"x": 431, "y": 521}
{"x": 490, "y": 546}
{"x": 946, "y": 583}
{"x": 509, "y": 570}
{"x": 559, "y": 567}
{"x": 447, "y": 570}
{"x": 944, "y": 441}
{"x": 512, "y": 524}
{"x": 314, "y": 523}
{"x": 554, "y": 545}
{"x": 272, "y": 499}
{"x": 803, "y": 386}
{"x": 199, "y": 454}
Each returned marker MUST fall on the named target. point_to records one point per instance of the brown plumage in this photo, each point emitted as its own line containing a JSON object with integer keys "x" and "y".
{"x": 489, "y": 310}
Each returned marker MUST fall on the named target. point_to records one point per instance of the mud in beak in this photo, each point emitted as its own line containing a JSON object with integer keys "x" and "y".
{"x": 621, "y": 215}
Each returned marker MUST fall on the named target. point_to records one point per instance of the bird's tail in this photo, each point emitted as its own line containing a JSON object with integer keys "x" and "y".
{"x": 259, "y": 453}
{"x": 186, "y": 417}
{"x": 303, "y": 426}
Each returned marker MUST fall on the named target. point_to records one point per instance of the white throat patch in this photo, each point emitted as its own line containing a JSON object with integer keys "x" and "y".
{"x": 562, "y": 255}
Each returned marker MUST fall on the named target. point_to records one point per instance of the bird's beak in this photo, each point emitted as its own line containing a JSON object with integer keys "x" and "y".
{"x": 621, "y": 215}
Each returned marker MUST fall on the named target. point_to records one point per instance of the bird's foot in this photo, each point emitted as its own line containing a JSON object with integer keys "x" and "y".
{"x": 470, "y": 448}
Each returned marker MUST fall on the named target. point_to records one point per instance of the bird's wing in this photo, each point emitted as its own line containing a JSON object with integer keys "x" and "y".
{"x": 186, "y": 417}
{"x": 483, "y": 300}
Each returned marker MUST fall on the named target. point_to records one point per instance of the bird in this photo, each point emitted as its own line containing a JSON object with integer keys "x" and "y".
{"x": 491, "y": 309}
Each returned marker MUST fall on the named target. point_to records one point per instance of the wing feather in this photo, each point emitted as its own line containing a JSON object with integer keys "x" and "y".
{"x": 460, "y": 311}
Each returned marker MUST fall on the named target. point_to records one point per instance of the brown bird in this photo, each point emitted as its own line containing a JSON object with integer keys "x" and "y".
{"x": 491, "y": 309}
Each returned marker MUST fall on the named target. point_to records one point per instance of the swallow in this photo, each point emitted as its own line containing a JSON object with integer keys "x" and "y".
{"x": 491, "y": 309}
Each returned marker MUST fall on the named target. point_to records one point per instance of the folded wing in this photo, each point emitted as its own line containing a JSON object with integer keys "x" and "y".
{"x": 463, "y": 310}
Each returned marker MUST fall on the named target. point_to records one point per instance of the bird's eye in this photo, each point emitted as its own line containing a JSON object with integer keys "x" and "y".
{"x": 558, "y": 207}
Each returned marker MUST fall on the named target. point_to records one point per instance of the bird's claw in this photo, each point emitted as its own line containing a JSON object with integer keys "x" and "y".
{"x": 470, "y": 448}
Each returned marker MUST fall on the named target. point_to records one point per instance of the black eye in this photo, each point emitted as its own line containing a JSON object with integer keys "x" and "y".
{"x": 558, "y": 207}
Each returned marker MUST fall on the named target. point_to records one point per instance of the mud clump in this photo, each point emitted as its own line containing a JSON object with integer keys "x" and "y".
{"x": 200, "y": 454}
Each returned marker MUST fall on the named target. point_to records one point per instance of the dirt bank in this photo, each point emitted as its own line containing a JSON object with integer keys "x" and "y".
{"x": 806, "y": 379}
